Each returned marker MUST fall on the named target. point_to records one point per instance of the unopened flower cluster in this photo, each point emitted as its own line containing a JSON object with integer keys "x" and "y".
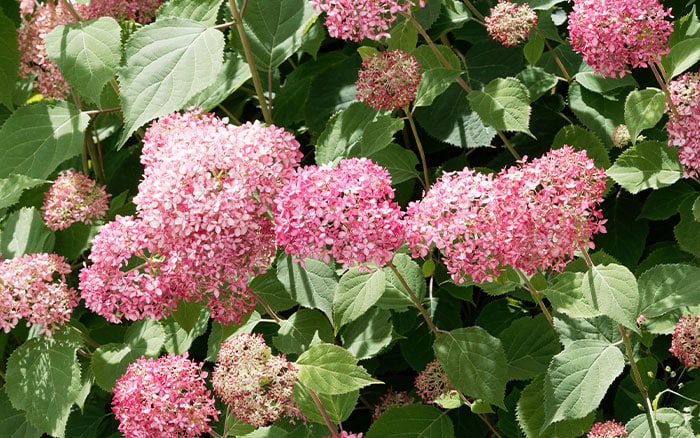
{"x": 684, "y": 121}
{"x": 608, "y": 429}
{"x": 510, "y": 23}
{"x": 358, "y": 19}
{"x": 685, "y": 342}
{"x": 388, "y": 80}
{"x": 163, "y": 398}
{"x": 432, "y": 383}
{"x": 34, "y": 287}
{"x": 202, "y": 227}
{"x": 531, "y": 216}
{"x": 392, "y": 399}
{"x": 72, "y": 198}
{"x": 255, "y": 383}
{"x": 615, "y": 35}
{"x": 346, "y": 213}
{"x": 38, "y": 21}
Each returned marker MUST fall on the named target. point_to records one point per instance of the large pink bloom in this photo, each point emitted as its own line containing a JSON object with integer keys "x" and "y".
{"x": 614, "y": 35}
{"x": 684, "y": 121}
{"x": 388, "y": 80}
{"x": 685, "y": 343}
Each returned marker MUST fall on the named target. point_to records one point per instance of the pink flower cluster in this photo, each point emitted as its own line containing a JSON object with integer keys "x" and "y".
{"x": 345, "y": 212}
{"x": 684, "y": 121}
{"x": 163, "y": 398}
{"x": 432, "y": 383}
{"x": 510, "y": 23}
{"x": 34, "y": 287}
{"x": 74, "y": 197}
{"x": 392, "y": 399}
{"x": 388, "y": 80}
{"x": 609, "y": 429}
{"x": 141, "y": 11}
{"x": 613, "y": 35}
{"x": 685, "y": 342}
{"x": 203, "y": 225}
{"x": 358, "y": 19}
{"x": 531, "y": 216}
{"x": 256, "y": 384}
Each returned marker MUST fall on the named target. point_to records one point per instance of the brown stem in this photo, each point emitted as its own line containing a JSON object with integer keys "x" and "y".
{"x": 268, "y": 309}
{"x": 415, "y": 300}
{"x": 419, "y": 145}
{"x": 483, "y": 417}
{"x": 554, "y": 55}
{"x": 535, "y": 294}
{"x": 324, "y": 414}
{"x": 71, "y": 10}
{"x": 586, "y": 257}
{"x": 474, "y": 10}
{"x": 660, "y": 75}
{"x": 91, "y": 342}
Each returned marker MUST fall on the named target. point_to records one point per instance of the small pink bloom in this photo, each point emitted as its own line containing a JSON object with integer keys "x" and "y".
{"x": 388, "y": 80}
{"x": 609, "y": 429}
{"x": 163, "y": 398}
{"x": 141, "y": 11}
{"x": 685, "y": 343}
{"x": 392, "y": 399}
{"x": 684, "y": 121}
{"x": 510, "y": 23}
{"x": 74, "y": 197}
{"x": 432, "y": 383}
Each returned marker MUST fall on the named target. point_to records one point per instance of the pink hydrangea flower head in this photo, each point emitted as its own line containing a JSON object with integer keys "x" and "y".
{"x": 685, "y": 342}
{"x": 358, "y": 19}
{"x": 26, "y": 7}
{"x": 454, "y": 217}
{"x": 74, "y": 197}
{"x": 388, "y": 80}
{"x": 346, "y": 434}
{"x": 684, "y": 121}
{"x": 207, "y": 190}
{"x": 141, "y": 11}
{"x": 129, "y": 277}
{"x": 345, "y": 212}
{"x": 392, "y": 399}
{"x": 621, "y": 136}
{"x": 432, "y": 383}
{"x": 609, "y": 429}
{"x": 510, "y": 23}
{"x": 549, "y": 207}
{"x": 615, "y": 35}
{"x": 34, "y": 287}
{"x": 163, "y": 398}
{"x": 255, "y": 383}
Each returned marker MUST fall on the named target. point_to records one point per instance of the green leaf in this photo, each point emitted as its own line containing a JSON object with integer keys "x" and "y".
{"x": 578, "y": 378}
{"x": 671, "y": 423}
{"x": 531, "y": 415}
{"x": 687, "y": 231}
{"x": 504, "y": 104}
{"x": 74, "y": 240}
{"x": 626, "y": 234}
{"x": 329, "y": 369}
{"x": 166, "y": 64}
{"x": 43, "y": 379}
{"x": 600, "y": 114}
{"x": 230, "y": 78}
{"x": 369, "y": 334}
{"x": 11, "y": 188}
{"x": 87, "y": 422}
{"x": 613, "y": 290}
{"x": 204, "y": 11}
{"x": 599, "y": 84}
{"x": 378, "y": 134}
{"x": 580, "y": 138}
{"x": 275, "y": 30}
{"x": 357, "y": 292}
{"x": 404, "y": 37}
{"x": 682, "y": 56}
{"x": 312, "y": 286}
{"x": 14, "y": 422}
{"x": 529, "y": 344}
{"x": 36, "y": 138}
{"x": 664, "y": 288}
{"x": 450, "y": 119}
{"x": 268, "y": 287}
{"x": 663, "y": 203}
{"x": 88, "y": 54}
{"x": 473, "y": 361}
{"x": 436, "y": 77}
{"x": 395, "y": 296}
{"x": 412, "y": 421}
{"x": 24, "y": 232}
{"x": 339, "y": 407}
{"x": 537, "y": 81}
{"x": 109, "y": 361}
{"x": 9, "y": 60}
{"x": 343, "y": 132}
{"x": 219, "y": 333}
{"x": 566, "y": 296}
{"x": 600, "y": 328}
{"x": 533, "y": 48}
{"x": 399, "y": 161}
{"x": 685, "y": 27}
{"x": 651, "y": 164}
{"x": 184, "y": 325}
{"x": 643, "y": 109}
{"x": 296, "y": 333}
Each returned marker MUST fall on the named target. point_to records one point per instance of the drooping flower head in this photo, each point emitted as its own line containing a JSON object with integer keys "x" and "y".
{"x": 34, "y": 287}
{"x": 684, "y": 121}
{"x": 388, "y": 80}
{"x": 510, "y": 23}
{"x": 255, "y": 383}
{"x": 614, "y": 36}
{"x": 345, "y": 212}
{"x": 392, "y": 399}
{"x": 74, "y": 197}
{"x": 685, "y": 343}
{"x": 163, "y": 398}
{"x": 609, "y": 429}
{"x": 358, "y": 19}
{"x": 432, "y": 383}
